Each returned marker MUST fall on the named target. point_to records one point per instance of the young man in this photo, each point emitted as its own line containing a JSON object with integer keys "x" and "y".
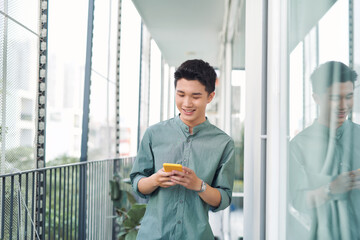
{"x": 179, "y": 201}
{"x": 325, "y": 161}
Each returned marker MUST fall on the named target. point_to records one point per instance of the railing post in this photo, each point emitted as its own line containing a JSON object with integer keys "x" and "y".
{"x": 85, "y": 126}
{"x": 116, "y": 227}
{"x": 40, "y": 198}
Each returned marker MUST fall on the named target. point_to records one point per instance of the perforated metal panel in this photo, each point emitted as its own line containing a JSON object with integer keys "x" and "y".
{"x": 19, "y": 37}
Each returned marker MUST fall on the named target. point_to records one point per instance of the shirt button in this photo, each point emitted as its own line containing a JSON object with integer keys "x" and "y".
{"x": 179, "y": 222}
{"x": 188, "y": 140}
{"x": 181, "y": 201}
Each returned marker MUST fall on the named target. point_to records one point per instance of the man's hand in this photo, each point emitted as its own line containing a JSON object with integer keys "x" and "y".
{"x": 345, "y": 182}
{"x": 186, "y": 178}
{"x": 163, "y": 179}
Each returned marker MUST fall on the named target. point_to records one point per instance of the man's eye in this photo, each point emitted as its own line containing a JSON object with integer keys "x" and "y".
{"x": 334, "y": 98}
{"x": 180, "y": 95}
{"x": 349, "y": 97}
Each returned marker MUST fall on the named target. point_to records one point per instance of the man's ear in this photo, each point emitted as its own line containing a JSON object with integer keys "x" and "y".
{"x": 210, "y": 97}
{"x": 316, "y": 98}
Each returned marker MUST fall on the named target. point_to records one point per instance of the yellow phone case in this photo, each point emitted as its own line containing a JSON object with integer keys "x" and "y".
{"x": 168, "y": 167}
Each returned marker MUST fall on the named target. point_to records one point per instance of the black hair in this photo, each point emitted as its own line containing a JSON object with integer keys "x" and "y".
{"x": 197, "y": 69}
{"x": 329, "y": 73}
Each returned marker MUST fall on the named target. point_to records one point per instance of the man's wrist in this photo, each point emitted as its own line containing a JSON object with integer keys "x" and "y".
{"x": 202, "y": 187}
{"x": 328, "y": 190}
{"x": 153, "y": 178}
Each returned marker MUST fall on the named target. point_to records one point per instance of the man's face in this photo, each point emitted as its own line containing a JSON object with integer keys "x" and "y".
{"x": 336, "y": 103}
{"x": 191, "y": 100}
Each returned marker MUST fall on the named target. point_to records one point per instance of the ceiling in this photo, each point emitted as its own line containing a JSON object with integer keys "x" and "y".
{"x": 189, "y": 29}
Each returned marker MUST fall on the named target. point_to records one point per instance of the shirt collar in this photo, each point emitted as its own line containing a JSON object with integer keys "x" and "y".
{"x": 337, "y": 134}
{"x": 196, "y": 129}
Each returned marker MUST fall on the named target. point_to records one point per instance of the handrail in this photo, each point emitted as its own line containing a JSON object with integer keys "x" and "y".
{"x": 61, "y": 201}
{"x": 58, "y": 166}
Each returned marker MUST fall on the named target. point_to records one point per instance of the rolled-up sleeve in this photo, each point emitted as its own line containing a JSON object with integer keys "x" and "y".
{"x": 144, "y": 163}
{"x": 224, "y": 178}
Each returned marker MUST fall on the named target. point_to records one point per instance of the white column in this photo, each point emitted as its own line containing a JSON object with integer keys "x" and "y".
{"x": 277, "y": 112}
{"x": 255, "y": 59}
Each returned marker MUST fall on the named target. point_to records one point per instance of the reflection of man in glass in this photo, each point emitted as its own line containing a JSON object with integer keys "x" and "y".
{"x": 325, "y": 161}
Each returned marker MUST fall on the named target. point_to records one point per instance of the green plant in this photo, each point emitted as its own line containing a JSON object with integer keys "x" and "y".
{"x": 129, "y": 212}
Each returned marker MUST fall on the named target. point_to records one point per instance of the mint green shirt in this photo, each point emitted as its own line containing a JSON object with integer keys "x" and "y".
{"x": 317, "y": 157}
{"x": 177, "y": 212}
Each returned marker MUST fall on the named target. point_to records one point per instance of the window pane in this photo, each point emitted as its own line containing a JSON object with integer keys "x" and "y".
{"x": 102, "y": 123}
{"x": 237, "y": 133}
{"x": 129, "y": 78}
{"x": 155, "y": 84}
{"x": 65, "y": 79}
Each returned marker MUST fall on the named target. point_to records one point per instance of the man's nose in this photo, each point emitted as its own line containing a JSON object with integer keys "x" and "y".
{"x": 342, "y": 103}
{"x": 187, "y": 101}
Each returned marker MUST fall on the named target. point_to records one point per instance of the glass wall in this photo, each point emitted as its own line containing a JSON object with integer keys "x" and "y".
{"x": 237, "y": 132}
{"x": 323, "y": 167}
{"x": 102, "y": 123}
{"x": 155, "y": 84}
{"x": 129, "y": 78}
{"x": 65, "y": 80}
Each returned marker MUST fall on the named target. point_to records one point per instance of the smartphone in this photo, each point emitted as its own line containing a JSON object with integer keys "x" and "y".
{"x": 168, "y": 167}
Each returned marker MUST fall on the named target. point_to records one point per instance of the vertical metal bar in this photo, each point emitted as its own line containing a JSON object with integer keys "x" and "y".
{"x": 263, "y": 123}
{"x": 33, "y": 203}
{"x": 103, "y": 205}
{"x": 64, "y": 207}
{"x": 118, "y": 48}
{"x": 43, "y": 201}
{"x": 116, "y": 227}
{"x": 108, "y": 222}
{"x": 11, "y": 206}
{"x": 100, "y": 198}
{"x": 85, "y": 124}
{"x": 76, "y": 200}
{"x": 72, "y": 199}
{"x": 67, "y": 207}
{"x": 59, "y": 225}
{"x": 351, "y": 33}
{"x": 54, "y": 226}
{"x": 41, "y": 120}
{"x": 95, "y": 197}
{"x": 96, "y": 203}
{"x": 82, "y": 203}
{"x": 87, "y": 83}
{"x": 3, "y": 208}
{"x": 91, "y": 198}
{"x": 41, "y": 94}
{"x": 140, "y": 87}
{"x": 26, "y": 202}
{"x": 50, "y": 190}
{"x": 19, "y": 208}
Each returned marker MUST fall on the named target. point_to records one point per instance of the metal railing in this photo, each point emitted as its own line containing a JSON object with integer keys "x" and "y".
{"x": 61, "y": 201}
